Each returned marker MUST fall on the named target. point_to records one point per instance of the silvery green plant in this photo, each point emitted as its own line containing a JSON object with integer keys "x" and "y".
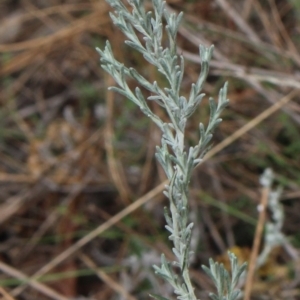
{"x": 225, "y": 284}
{"x": 177, "y": 161}
{"x": 273, "y": 235}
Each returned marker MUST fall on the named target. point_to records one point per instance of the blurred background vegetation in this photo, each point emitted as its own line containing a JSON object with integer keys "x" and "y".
{"x": 73, "y": 156}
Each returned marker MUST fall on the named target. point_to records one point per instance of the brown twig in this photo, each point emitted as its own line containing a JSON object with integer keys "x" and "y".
{"x": 115, "y": 168}
{"x": 32, "y": 282}
{"x": 105, "y": 278}
{"x": 257, "y": 241}
{"x": 5, "y": 294}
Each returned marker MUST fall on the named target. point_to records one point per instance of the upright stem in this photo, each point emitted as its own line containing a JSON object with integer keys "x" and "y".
{"x": 171, "y": 154}
{"x": 257, "y": 241}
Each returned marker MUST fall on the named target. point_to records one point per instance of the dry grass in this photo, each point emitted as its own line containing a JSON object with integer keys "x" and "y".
{"x": 80, "y": 201}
